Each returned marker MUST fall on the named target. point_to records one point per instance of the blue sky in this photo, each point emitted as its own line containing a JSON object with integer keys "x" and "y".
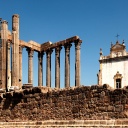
{"x": 96, "y": 22}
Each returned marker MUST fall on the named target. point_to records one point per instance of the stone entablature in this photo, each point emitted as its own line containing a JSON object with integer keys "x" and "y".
{"x": 12, "y": 41}
{"x": 47, "y": 45}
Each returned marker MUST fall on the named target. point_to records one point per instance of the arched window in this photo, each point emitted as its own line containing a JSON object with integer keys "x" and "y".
{"x": 118, "y": 80}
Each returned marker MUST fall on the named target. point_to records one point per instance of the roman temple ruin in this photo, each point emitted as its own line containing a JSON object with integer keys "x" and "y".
{"x": 11, "y": 58}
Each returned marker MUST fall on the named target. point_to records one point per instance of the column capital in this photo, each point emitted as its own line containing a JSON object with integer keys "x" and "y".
{"x": 20, "y": 49}
{"x": 9, "y": 43}
{"x": 67, "y": 46}
{"x": 49, "y": 52}
{"x": 30, "y": 52}
{"x": 58, "y": 49}
{"x": 40, "y": 54}
{"x": 77, "y": 43}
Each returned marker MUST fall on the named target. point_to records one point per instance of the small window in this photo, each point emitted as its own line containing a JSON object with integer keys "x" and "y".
{"x": 118, "y": 83}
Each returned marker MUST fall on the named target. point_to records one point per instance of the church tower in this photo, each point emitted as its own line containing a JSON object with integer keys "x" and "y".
{"x": 113, "y": 68}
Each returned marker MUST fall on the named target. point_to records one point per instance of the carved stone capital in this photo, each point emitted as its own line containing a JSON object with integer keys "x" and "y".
{"x": 4, "y": 22}
{"x": 49, "y": 52}
{"x": 15, "y": 18}
{"x": 30, "y": 52}
{"x": 13, "y": 28}
{"x": 8, "y": 43}
{"x": 77, "y": 44}
{"x": 40, "y": 55}
{"x": 20, "y": 49}
{"x": 67, "y": 47}
{"x": 57, "y": 50}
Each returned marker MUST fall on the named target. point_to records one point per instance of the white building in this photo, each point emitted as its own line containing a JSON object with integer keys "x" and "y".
{"x": 114, "y": 67}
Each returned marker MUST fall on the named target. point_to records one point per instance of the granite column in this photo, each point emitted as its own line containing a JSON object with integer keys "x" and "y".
{"x": 48, "y": 67}
{"x": 40, "y": 68}
{"x": 15, "y": 50}
{"x": 30, "y": 65}
{"x": 67, "y": 65}
{"x": 77, "y": 62}
{"x": 57, "y": 66}
{"x": 8, "y": 65}
{"x": 20, "y": 66}
{"x": 3, "y": 54}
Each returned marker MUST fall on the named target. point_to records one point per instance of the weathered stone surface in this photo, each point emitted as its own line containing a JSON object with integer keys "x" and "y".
{"x": 25, "y": 86}
{"x": 13, "y": 88}
{"x": 2, "y": 90}
{"x": 74, "y": 103}
{"x": 9, "y": 78}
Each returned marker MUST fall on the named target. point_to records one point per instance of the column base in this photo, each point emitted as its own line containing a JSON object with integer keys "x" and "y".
{"x": 14, "y": 88}
{"x": 2, "y": 90}
{"x": 26, "y": 86}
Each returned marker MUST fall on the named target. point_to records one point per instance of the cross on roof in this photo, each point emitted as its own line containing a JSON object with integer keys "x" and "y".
{"x": 117, "y": 36}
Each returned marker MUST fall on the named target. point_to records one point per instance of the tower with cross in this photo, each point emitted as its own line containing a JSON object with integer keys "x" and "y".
{"x": 113, "y": 67}
{"x": 117, "y": 36}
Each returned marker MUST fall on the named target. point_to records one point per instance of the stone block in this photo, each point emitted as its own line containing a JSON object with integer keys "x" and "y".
{"x": 13, "y": 88}
{"x": 103, "y": 122}
{"x": 34, "y": 111}
{"x": 2, "y": 90}
{"x": 74, "y": 97}
{"x": 94, "y": 87}
{"x": 81, "y": 96}
{"x": 125, "y": 122}
{"x": 118, "y": 92}
{"x": 110, "y": 108}
{"x": 18, "y": 94}
{"x": 9, "y": 95}
{"x": 105, "y": 86}
{"x": 103, "y": 109}
{"x": 27, "y": 86}
{"x": 27, "y": 92}
{"x": 118, "y": 108}
{"x": 75, "y": 110}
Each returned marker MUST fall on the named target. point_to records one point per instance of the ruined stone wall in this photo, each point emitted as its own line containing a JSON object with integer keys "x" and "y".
{"x": 81, "y": 103}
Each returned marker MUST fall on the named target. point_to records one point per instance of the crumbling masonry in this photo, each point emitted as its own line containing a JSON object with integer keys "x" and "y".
{"x": 80, "y": 106}
{"x": 11, "y": 42}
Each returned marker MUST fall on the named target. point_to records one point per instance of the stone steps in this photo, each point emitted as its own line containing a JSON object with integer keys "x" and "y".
{"x": 67, "y": 124}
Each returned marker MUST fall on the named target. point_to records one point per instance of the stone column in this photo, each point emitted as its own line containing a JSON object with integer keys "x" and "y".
{"x": 40, "y": 69}
{"x": 48, "y": 67}
{"x": 77, "y": 62}
{"x": 3, "y": 54}
{"x": 57, "y": 67}
{"x": 30, "y": 65}
{"x": 15, "y": 50}
{"x": 20, "y": 66}
{"x": 8, "y": 65}
{"x": 67, "y": 65}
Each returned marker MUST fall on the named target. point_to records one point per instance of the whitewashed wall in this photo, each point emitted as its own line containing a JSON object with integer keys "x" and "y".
{"x": 109, "y": 70}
